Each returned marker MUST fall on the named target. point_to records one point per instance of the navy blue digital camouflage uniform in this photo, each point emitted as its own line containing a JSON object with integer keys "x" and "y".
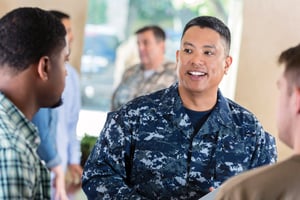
{"x": 148, "y": 149}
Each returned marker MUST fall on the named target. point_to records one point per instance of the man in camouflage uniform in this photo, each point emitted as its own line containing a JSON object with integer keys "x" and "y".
{"x": 152, "y": 74}
{"x": 178, "y": 142}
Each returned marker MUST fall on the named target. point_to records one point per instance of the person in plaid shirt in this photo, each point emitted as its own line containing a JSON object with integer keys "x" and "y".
{"x": 33, "y": 52}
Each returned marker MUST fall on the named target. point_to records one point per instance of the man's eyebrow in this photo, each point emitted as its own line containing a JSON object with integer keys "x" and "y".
{"x": 188, "y": 44}
{"x": 210, "y": 46}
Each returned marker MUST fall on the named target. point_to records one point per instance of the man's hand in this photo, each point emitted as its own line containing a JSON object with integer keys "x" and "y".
{"x": 73, "y": 179}
{"x": 59, "y": 183}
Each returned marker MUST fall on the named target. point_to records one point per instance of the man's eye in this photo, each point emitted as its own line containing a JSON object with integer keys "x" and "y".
{"x": 187, "y": 51}
{"x": 208, "y": 53}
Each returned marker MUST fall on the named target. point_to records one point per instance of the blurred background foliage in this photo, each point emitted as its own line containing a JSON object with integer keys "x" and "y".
{"x": 163, "y": 12}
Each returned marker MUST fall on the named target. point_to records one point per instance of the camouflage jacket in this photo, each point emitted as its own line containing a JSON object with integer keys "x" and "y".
{"x": 135, "y": 84}
{"x": 147, "y": 149}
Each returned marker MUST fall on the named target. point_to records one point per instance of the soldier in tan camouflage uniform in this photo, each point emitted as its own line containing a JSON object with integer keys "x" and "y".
{"x": 152, "y": 74}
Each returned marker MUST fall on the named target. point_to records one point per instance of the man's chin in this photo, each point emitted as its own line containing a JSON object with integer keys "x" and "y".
{"x": 59, "y": 103}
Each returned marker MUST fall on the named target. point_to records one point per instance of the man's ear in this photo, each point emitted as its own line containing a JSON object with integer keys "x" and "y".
{"x": 43, "y": 67}
{"x": 177, "y": 55}
{"x": 297, "y": 99}
{"x": 228, "y": 62}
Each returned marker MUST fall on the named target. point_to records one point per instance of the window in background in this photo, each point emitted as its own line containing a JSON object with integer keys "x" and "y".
{"x": 110, "y": 46}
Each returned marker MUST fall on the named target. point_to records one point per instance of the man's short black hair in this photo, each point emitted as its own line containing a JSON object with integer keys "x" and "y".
{"x": 158, "y": 32}
{"x": 214, "y": 24}
{"x": 27, "y": 34}
{"x": 59, "y": 14}
{"x": 290, "y": 58}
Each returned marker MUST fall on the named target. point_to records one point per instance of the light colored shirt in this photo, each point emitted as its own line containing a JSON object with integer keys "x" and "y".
{"x": 149, "y": 149}
{"x": 22, "y": 174}
{"x": 45, "y": 120}
{"x": 68, "y": 145}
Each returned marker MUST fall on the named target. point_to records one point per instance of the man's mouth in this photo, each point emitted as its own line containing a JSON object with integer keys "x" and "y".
{"x": 196, "y": 73}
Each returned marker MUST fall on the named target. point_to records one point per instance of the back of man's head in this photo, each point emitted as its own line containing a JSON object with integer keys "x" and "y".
{"x": 59, "y": 14}
{"x": 27, "y": 34}
{"x": 290, "y": 58}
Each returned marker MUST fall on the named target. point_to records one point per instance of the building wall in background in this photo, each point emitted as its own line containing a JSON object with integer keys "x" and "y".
{"x": 269, "y": 27}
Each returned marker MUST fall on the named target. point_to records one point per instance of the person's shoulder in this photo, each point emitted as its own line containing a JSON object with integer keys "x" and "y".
{"x": 133, "y": 68}
{"x": 244, "y": 183}
{"x": 155, "y": 99}
{"x": 161, "y": 95}
{"x": 233, "y": 105}
{"x": 150, "y": 99}
{"x": 132, "y": 71}
{"x": 241, "y": 117}
{"x": 240, "y": 113}
{"x": 259, "y": 180}
{"x": 169, "y": 65}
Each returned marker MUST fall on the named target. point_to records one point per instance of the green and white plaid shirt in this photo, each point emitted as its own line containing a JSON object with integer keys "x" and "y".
{"x": 22, "y": 174}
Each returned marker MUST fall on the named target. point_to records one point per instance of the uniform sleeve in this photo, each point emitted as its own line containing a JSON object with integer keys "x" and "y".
{"x": 249, "y": 148}
{"x": 266, "y": 151}
{"x": 105, "y": 175}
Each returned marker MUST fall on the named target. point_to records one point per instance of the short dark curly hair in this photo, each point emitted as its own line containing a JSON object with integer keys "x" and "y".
{"x": 27, "y": 34}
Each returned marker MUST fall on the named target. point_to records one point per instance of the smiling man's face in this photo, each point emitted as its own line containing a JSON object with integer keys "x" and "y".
{"x": 201, "y": 60}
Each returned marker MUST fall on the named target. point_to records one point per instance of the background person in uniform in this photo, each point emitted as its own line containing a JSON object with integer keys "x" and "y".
{"x": 281, "y": 180}
{"x": 153, "y": 73}
{"x": 180, "y": 141}
{"x": 33, "y": 53}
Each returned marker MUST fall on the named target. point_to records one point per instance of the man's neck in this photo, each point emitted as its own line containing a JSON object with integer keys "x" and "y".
{"x": 18, "y": 89}
{"x": 198, "y": 101}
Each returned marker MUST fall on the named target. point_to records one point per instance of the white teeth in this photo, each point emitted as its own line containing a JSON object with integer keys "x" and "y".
{"x": 197, "y": 73}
